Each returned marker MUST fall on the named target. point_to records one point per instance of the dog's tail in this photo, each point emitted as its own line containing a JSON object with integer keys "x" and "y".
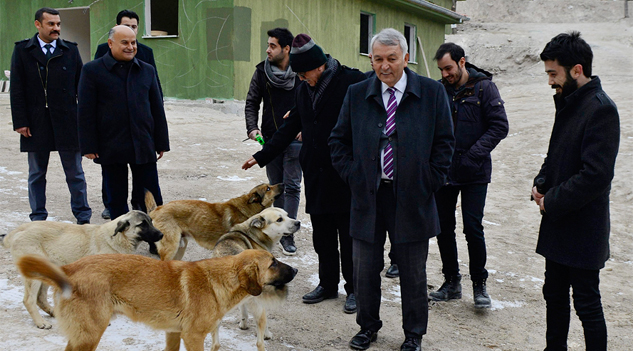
{"x": 150, "y": 202}
{"x": 37, "y": 267}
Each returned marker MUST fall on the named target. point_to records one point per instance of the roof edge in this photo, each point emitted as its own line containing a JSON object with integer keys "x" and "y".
{"x": 435, "y": 10}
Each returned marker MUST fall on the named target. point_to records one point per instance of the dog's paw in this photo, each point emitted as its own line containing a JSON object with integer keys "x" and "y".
{"x": 243, "y": 324}
{"x": 268, "y": 335}
{"x": 44, "y": 325}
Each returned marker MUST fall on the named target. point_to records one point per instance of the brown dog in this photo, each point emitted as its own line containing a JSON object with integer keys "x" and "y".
{"x": 186, "y": 299}
{"x": 262, "y": 231}
{"x": 204, "y": 221}
{"x": 64, "y": 243}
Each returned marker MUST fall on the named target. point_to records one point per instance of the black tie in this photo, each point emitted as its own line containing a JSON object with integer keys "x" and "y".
{"x": 49, "y": 52}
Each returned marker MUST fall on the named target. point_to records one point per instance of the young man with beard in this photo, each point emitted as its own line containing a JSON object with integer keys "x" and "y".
{"x": 480, "y": 123}
{"x": 572, "y": 192}
{"x": 275, "y": 83}
{"x": 317, "y": 104}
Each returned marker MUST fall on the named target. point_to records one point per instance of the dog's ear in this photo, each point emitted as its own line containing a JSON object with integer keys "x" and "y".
{"x": 255, "y": 197}
{"x": 258, "y": 222}
{"x": 121, "y": 227}
{"x": 249, "y": 279}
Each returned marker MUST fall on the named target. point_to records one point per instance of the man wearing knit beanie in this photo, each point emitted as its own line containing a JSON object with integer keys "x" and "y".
{"x": 318, "y": 102}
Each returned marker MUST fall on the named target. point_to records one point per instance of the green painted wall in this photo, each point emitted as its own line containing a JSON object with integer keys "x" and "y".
{"x": 220, "y": 41}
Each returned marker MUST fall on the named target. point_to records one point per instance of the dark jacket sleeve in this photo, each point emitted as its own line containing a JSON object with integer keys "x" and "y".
{"x": 340, "y": 140}
{"x": 253, "y": 101}
{"x": 494, "y": 116}
{"x": 443, "y": 141}
{"x": 600, "y": 145}
{"x": 281, "y": 139}
{"x": 87, "y": 111}
{"x": 102, "y": 49}
{"x": 161, "y": 135}
{"x": 18, "y": 92}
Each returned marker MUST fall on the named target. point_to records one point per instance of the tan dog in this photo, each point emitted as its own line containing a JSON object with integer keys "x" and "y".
{"x": 64, "y": 243}
{"x": 186, "y": 299}
{"x": 261, "y": 231}
{"x": 204, "y": 221}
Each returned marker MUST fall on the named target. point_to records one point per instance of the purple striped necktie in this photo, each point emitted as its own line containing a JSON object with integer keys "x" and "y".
{"x": 390, "y": 127}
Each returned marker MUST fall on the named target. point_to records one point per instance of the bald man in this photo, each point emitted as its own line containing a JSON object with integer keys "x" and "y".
{"x": 121, "y": 120}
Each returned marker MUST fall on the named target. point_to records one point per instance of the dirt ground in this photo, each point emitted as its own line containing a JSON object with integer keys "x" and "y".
{"x": 504, "y": 37}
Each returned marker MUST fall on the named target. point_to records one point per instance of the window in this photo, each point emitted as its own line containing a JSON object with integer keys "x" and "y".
{"x": 161, "y": 18}
{"x": 411, "y": 36}
{"x": 366, "y": 31}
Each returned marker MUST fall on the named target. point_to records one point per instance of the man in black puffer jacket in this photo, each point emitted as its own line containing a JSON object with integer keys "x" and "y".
{"x": 275, "y": 83}
{"x": 480, "y": 123}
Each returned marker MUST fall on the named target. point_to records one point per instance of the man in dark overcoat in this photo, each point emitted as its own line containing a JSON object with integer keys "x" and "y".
{"x": 146, "y": 54}
{"x": 572, "y": 192}
{"x": 122, "y": 120}
{"x": 45, "y": 71}
{"x": 393, "y": 145}
{"x": 317, "y": 104}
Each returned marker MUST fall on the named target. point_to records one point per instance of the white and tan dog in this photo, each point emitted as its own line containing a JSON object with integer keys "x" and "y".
{"x": 64, "y": 243}
{"x": 261, "y": 231}
{"x": 186, "y": 299}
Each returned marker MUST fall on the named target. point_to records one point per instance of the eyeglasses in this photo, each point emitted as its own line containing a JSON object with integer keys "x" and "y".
{"x": 302, "y": 75}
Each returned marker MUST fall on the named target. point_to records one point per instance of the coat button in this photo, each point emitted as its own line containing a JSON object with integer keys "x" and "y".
{"x": 390, "y": 139}
{"x": 371, "y": 192}
{"x": 64, "y": 68}
{"x": 315, "y": 122}
{"x": 379, "y": 125}
{"x": 373, "y": 158}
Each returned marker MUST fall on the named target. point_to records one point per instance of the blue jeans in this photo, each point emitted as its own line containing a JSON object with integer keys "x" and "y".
{"x": 586, "y": 293}
{"x": 75, "y": 179}
{"x": 286, "y": 169}
{"x": 473, "y": 202}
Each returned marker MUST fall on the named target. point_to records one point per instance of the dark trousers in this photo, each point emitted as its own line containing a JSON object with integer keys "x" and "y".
{"x": 115, "y": 179}
{"x": 328, "y": 232}
{"x": 586, "y": 293}
{"x": 75, "y": 179}
{"x": 472, "y": 208}
{"x": 369, "y": 262}
{"x": 138, "y": 194}
{"x": 286, "y": 169}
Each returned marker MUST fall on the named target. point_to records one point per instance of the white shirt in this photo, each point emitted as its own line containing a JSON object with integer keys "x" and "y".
{"x": 42, "y": 43}
{"x": 400, "y": 86}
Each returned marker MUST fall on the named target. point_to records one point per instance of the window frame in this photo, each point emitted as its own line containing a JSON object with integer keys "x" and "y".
{"x": 148, "y": 23}
{"x": 371, "y": 30}
{"x": 413, "y": 44}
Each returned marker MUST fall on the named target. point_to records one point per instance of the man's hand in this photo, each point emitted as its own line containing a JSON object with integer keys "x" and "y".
{"x": 91, "y": 156}
{"x": 160, "y": 155}
{"x": 299, "y": 137}
{"x": 286, "y": 115}
{"x": 539, "y": 199}
{"x": 253, "y": 134}
{"x": 25, "y": 131}
{"x": 249, "y": 163}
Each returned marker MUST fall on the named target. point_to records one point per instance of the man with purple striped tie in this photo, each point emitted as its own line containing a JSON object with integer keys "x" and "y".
{"x": 393, "y": 145}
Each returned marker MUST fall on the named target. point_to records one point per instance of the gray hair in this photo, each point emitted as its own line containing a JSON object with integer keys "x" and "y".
{"x": 111, "y": 33}
{"x": 390, "y": 37}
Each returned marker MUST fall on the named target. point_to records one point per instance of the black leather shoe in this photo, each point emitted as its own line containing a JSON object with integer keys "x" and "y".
{"x": 319, "y": 294}
{"x": 393, "y": 271}
{"x": 83, "y": 221}
{"x": 411, "y": 344}
{"x": 362, "y": 340}
{"x": 350, "y": 304}
{"x": 105, "y": 214}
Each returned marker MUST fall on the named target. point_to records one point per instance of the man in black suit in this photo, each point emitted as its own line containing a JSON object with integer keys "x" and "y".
{"x": 572, "y": 192}
{"x": 393, "y": 145}
{"x": 122, "y": 120}
{"x": 146, "y": 54}
{"x": 45, "y": 72}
